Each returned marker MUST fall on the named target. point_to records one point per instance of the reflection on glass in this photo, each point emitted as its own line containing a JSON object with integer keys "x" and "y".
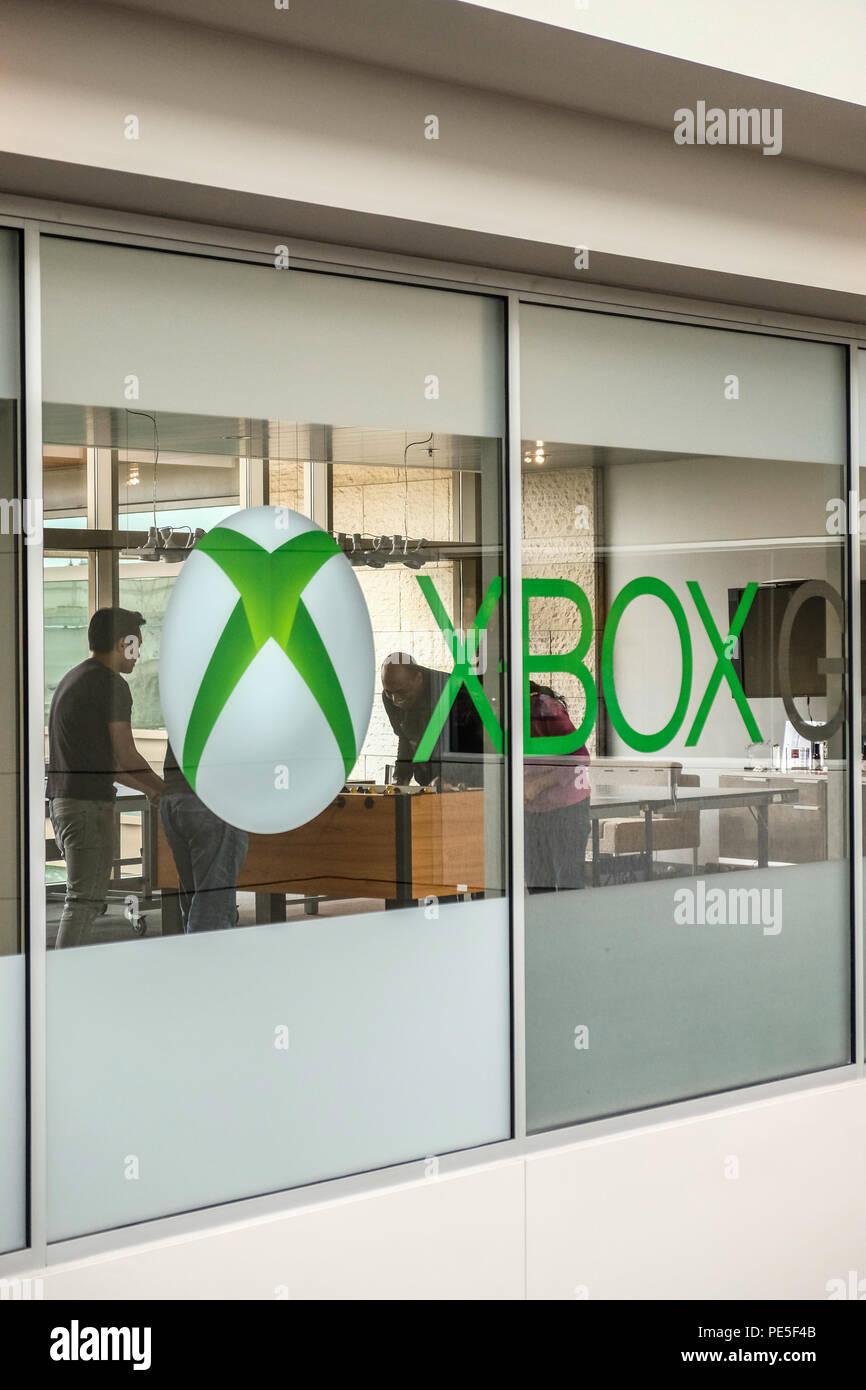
{"x": 419, "y": 819}
{"x": 64, "y": 481}
{"x": 419, "y": 519}
{"x": 556, "y": 796}
{"x": 105, "y": 734}
{"x": 66, "y": 605}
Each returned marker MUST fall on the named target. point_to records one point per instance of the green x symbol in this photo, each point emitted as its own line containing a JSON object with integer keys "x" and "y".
{"x": 723, "y": 667}
{"x": 464, "y": 653}
{"x": 269, "y": 584}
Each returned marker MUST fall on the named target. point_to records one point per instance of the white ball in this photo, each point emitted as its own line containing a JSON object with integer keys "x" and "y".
{"x": 271, "y": 761}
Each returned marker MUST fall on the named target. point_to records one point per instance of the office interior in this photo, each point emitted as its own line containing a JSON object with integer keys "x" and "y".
{"x": 614, "y": 510}
{"x": 399, "y": 504}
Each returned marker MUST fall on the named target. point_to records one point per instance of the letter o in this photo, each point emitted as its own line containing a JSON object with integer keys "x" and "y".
{"x": 655, "y": 588}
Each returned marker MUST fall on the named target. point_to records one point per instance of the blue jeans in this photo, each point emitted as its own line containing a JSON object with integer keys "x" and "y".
{"x": 209, "y": 856}
{"x": 84, "y": 831}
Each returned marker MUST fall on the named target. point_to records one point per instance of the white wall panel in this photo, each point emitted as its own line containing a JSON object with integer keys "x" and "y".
{"x": 658, "y": 1214}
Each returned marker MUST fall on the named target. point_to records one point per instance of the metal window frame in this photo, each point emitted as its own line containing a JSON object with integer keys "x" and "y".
{"x": 38, "y": 218}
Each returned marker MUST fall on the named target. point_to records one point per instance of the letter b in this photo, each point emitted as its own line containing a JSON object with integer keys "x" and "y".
{"x": 572, "y": 661}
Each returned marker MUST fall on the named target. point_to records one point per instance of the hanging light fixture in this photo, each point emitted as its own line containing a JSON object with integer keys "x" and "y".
{"x": 169, "y": 543}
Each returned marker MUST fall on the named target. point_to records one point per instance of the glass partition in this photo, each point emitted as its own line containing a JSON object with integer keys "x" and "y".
{"x": 297, "y": 919}
{"x": 839, "y": 519}
{"x": 21, "y": 525}
{"x": 687, "y": 912}
{"x": 276, "y": 723}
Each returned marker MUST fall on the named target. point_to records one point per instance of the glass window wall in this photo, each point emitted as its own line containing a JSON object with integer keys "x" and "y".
{"x": 688, "y": 921}
{"x": 294, "y": 504}
{"x": 276, "y": 724}
{"x": 21, "y": 525}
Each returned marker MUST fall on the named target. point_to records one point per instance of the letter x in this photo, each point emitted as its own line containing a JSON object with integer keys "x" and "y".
{"x": 462, "y": 673}
{"x": 723, "y": 667}
{"x": 269, "y": 585}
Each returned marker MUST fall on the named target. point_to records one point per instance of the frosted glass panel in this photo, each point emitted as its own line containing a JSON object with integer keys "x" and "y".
{"x": 861, "y": 370}
{"x": 599, "y": 379}
{"x": 675, "y": 1010}
{"x": 198, "y": 1070}
{"x": 13, "y": 1132}
{"x": 213, "y": 337}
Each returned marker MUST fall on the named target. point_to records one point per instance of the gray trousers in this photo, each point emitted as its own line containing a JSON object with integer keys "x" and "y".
{"x": 209, "y": 856}
{"x": 84, "y": 831}
{"x": 555, "y": 847}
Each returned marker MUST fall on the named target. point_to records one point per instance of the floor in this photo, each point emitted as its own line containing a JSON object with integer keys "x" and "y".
{"x": 114, "y": 926}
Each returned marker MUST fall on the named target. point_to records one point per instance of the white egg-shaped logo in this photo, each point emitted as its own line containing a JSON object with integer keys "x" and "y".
{"x": 266, "y": 669}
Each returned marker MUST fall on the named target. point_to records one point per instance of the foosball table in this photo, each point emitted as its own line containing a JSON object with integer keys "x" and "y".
{"x": 396, "y": 843}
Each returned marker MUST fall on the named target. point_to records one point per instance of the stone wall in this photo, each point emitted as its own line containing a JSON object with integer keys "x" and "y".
{"x": 286, "y": 484}
{"x": 559, "y": 543}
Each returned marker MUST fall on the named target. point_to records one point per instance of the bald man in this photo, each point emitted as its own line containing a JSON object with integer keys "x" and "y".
{"x": 410, "y": 694}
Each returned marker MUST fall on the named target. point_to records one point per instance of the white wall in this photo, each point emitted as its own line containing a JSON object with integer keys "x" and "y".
{"x": 794, "y": 42}
{"x": 220, "y": 110}
{"x": 650, "y": 1214}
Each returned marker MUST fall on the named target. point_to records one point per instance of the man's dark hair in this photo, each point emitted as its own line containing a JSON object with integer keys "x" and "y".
{"x": 108, "y": 624}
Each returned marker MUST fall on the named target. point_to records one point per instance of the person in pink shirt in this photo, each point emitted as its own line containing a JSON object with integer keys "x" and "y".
{"x": 556, "y": 800}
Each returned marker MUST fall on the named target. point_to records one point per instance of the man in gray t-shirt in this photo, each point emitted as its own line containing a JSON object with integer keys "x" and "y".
{"x": 90, "y": 747}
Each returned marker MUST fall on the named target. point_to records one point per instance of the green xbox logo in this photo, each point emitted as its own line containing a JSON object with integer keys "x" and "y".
{"x": 267, "y": 669}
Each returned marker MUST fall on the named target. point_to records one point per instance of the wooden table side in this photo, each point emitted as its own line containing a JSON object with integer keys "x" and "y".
{"x": 447, "y": 844}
